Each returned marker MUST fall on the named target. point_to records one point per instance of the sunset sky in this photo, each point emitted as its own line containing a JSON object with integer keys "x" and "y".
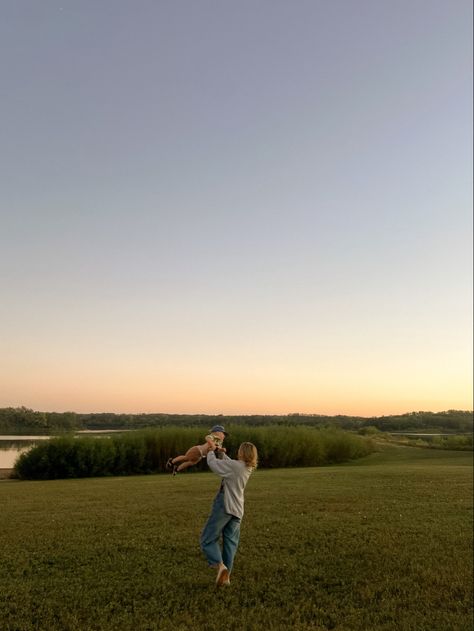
{"x": 250, "y": 206}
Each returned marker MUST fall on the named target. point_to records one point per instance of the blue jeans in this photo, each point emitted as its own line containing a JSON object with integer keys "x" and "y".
{"x": 220, "y": 523}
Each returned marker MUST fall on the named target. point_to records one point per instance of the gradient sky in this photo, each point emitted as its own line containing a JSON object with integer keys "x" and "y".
{"x": 236, "y": 206}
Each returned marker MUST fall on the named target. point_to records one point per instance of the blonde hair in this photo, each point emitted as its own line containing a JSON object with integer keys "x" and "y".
{"x": 248, "y": 453}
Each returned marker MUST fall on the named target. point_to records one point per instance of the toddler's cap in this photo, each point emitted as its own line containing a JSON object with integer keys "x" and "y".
{"x": 219, "y": 428}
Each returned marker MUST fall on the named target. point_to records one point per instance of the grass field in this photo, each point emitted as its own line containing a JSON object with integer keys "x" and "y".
{"x": 383, "y": 543}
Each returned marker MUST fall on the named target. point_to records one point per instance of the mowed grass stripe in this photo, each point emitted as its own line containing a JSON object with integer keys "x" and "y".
{"x": 382, "y": 543}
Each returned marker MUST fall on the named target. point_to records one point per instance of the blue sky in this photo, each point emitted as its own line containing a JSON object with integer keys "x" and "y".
{"x": 236, "y": 207}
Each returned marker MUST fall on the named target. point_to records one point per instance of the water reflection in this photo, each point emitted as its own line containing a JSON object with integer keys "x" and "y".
{"x": 8, "y": 456}
{"x": 12, "y": 446}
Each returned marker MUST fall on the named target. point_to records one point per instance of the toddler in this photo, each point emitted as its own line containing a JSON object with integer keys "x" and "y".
{"x": 198, "y": 452}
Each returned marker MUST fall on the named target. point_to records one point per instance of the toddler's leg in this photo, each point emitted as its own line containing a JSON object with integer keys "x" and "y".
{"x": 186, "y": 464}
{"x": 179, "y": 459}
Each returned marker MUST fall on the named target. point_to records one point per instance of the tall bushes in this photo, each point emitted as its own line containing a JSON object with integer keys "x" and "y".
{"x": 300, "y": 446}
{"x": 147, "y": 451}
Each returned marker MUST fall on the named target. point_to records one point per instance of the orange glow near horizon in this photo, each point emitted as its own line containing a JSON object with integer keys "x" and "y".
{"x": 140, "y": 373}
{"x": 190, "y": 392}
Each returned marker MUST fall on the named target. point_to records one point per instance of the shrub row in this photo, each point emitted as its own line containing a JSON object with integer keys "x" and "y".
{"x": 462, "y": 443}
{"x": 147, "y": 451}
{"x": 454, "y": 442}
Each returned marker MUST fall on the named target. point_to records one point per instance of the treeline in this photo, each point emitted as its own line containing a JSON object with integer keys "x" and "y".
{"x": 23, "y": 420}
{"x": 449, "y": 421}
{"x": 147, "y": 451}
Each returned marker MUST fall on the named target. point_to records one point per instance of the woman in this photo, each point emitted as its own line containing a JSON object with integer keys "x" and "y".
{"x": 227, "y": 509}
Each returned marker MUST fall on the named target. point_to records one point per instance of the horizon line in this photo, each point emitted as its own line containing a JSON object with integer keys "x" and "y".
{"x": 220, "y": 414}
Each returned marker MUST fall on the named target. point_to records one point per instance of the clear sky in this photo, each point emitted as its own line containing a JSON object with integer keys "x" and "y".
{"x": 251, "y": 206}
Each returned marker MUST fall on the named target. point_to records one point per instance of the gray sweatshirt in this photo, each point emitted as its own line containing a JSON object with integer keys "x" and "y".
{"x": 235, "y": 475}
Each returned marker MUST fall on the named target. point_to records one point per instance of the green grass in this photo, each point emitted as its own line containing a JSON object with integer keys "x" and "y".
{"x": 382, "y": 543}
